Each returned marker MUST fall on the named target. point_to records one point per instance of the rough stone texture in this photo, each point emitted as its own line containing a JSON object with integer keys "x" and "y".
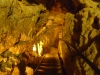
{"x": 23, "y": 23}
{"x": 29, "y": 71}
{"x": 83, "y": 31}
{"x": 19, "y": 23}
{"x": 16, "y": 71}
{"x": 66, "y": 35}
{"x": 50, "y": 33}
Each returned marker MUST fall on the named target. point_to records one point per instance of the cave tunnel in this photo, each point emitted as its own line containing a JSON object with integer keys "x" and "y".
{"x": 49, "y": 37}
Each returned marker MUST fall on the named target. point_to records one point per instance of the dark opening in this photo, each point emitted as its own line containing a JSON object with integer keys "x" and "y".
{"x": 96, "y": 24}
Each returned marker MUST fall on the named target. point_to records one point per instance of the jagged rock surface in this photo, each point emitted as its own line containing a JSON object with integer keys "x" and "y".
{"x": 19, "y": 23}
{"x": 83, "y": 31}
{"x": 24, "y": 23}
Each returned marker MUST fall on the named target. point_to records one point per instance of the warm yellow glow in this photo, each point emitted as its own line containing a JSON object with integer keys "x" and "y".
{"x": 39, "y": 48}
{"x": 34, "y": 47}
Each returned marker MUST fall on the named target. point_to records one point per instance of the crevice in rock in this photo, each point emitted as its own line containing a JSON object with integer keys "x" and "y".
{"x": 96, "y": 23}
{"x": 82, "y": 67}
{"x": 90, "y": 41}
{"x": 96, "y": 0}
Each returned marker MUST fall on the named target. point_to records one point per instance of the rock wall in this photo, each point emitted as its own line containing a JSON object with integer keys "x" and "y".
{"x": 23, "y": 23}
{"x": 19, "y": 23}
{"x": 82, "y": 29}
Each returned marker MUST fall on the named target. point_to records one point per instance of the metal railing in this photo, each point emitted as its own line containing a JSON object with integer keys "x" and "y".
{"x": 97, "y": 70}
{"x": 61, "y": 63}
{"x": 39, "y": 64}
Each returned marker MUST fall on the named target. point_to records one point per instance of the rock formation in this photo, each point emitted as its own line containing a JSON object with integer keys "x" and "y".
{"x": 81, "y": 29}
{"x": 19, "y": 23}
{"x": 24, "y": 23}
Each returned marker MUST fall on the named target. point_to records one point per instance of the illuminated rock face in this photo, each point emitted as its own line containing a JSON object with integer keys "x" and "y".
{"x": 81, "y": 28}
{"x": 19, "y": 23}
{"x": 24, "y": 24}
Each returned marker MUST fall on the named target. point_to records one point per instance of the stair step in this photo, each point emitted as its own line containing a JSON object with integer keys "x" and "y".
{"x": 49, "y": 67}
{"x": 39, "y": 73}
{"x": 50, "y": 64}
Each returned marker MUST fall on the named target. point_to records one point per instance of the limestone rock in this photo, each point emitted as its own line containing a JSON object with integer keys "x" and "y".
{"x": 16, "y": 71}
{"x": 81, "y": 28}
{"x": 24, "y": 23}
{"x": 19, "y": 23}
{"x": 29, "y": 71}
